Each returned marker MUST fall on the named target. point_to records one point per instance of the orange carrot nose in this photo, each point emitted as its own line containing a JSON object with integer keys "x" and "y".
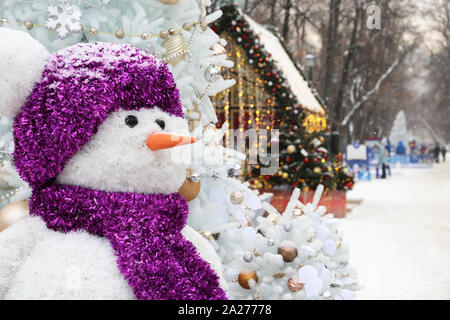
{"x": 160, "y": 140}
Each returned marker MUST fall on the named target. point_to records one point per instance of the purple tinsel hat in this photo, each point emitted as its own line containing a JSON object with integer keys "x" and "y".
{"x": 80, "y": 86}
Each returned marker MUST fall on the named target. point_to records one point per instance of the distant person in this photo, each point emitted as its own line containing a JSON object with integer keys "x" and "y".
{"x": 412, "y": 147}
{"x": 423, "y": 151}
{"x": 382, "y": 159}
{"x": 400, "y": 150}
{"x": 436, "y": 152}
{"x": 444, "y": 152}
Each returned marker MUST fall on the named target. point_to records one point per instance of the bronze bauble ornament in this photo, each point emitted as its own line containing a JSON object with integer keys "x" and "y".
{"x": 294, "y": 284}
{"x": 191, "y": 186}
{"x": 245, "y": 276}
{"x": 288, "y": 251}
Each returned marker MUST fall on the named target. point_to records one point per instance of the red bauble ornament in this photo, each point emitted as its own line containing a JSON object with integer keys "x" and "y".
{"x": 315, "y": 160}
{"x": 244, "y": 36}
{"x": 267, "y": 177}
{"x": 306, "y": 160}
{"x": 288, "y": 159}
{"x": 294, "y": 184}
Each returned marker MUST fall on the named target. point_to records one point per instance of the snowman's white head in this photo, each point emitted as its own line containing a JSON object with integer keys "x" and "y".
{"x": 133, "y": 151}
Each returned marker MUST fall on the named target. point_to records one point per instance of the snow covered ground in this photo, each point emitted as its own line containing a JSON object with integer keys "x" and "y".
{"x": 399, "y": 235}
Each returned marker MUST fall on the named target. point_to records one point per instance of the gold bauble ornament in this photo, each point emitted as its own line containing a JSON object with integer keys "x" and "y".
{"x": 164, "y": 34}
{"x": 259, "y": 185}
{"x": 175, "y": 49}
{"x": 93, "y": 31}
{"x": 284, "y": 175}
{"x": 207, "y": 235}
{"x": 191, "y": 186}
{"x": 294, "y": 284}
{"x": 28, "y": 24}
{"x": 120, "y": 34}
{"x": 13, "y": 212}
{"x": 290, "y": 148}
{"x": 169, "y": 2}
{"x": 288, "y": 252}
{"x": 245, "y": 276}
{"x": 273, "y": 218}
{"x": 187, "y": 26}
{"x": 317, "y": 170}
{"x": 145, "y": 36}
{"x": 237, "y": 197}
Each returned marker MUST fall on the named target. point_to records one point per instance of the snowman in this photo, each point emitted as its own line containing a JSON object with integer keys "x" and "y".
{"x": 100, "y": 137}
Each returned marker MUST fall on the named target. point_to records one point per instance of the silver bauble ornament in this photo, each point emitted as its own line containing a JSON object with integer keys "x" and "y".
{"x": 194, "y": 177}
{"x": 212, "y": 74}
{"x": 248, "y": 257}
{"x": 287, "y": 227}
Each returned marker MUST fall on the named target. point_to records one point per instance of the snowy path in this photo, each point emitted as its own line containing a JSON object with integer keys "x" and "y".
{"x": 399, "y": 236}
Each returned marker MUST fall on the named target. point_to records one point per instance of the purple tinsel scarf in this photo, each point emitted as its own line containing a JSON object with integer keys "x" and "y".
{"x": 145, "y": 233}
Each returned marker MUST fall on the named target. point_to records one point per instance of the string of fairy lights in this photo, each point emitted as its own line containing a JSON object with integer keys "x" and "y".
{"x": 119, "y": 33}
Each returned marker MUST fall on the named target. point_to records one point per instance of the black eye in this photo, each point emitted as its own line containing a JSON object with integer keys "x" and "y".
{"x": 161, "y": 123}
{"x": 131, "y": 121}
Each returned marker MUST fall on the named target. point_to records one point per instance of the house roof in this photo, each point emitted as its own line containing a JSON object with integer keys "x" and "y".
{"x": 297, "y": 82}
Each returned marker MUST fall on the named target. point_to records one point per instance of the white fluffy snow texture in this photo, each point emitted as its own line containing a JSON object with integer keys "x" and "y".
{"x": 22, "y": 60}
{"x": 400, "y": 235}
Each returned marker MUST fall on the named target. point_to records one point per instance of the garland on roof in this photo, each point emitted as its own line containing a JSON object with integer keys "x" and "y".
{"x": 275, "y": 82}
{"x": 234, "y": 23}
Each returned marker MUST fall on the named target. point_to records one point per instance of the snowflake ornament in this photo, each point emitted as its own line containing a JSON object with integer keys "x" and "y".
{"x": 64, "y": 19}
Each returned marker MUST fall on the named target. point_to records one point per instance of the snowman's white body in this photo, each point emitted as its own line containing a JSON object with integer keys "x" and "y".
{"x": 38, "y": 263}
